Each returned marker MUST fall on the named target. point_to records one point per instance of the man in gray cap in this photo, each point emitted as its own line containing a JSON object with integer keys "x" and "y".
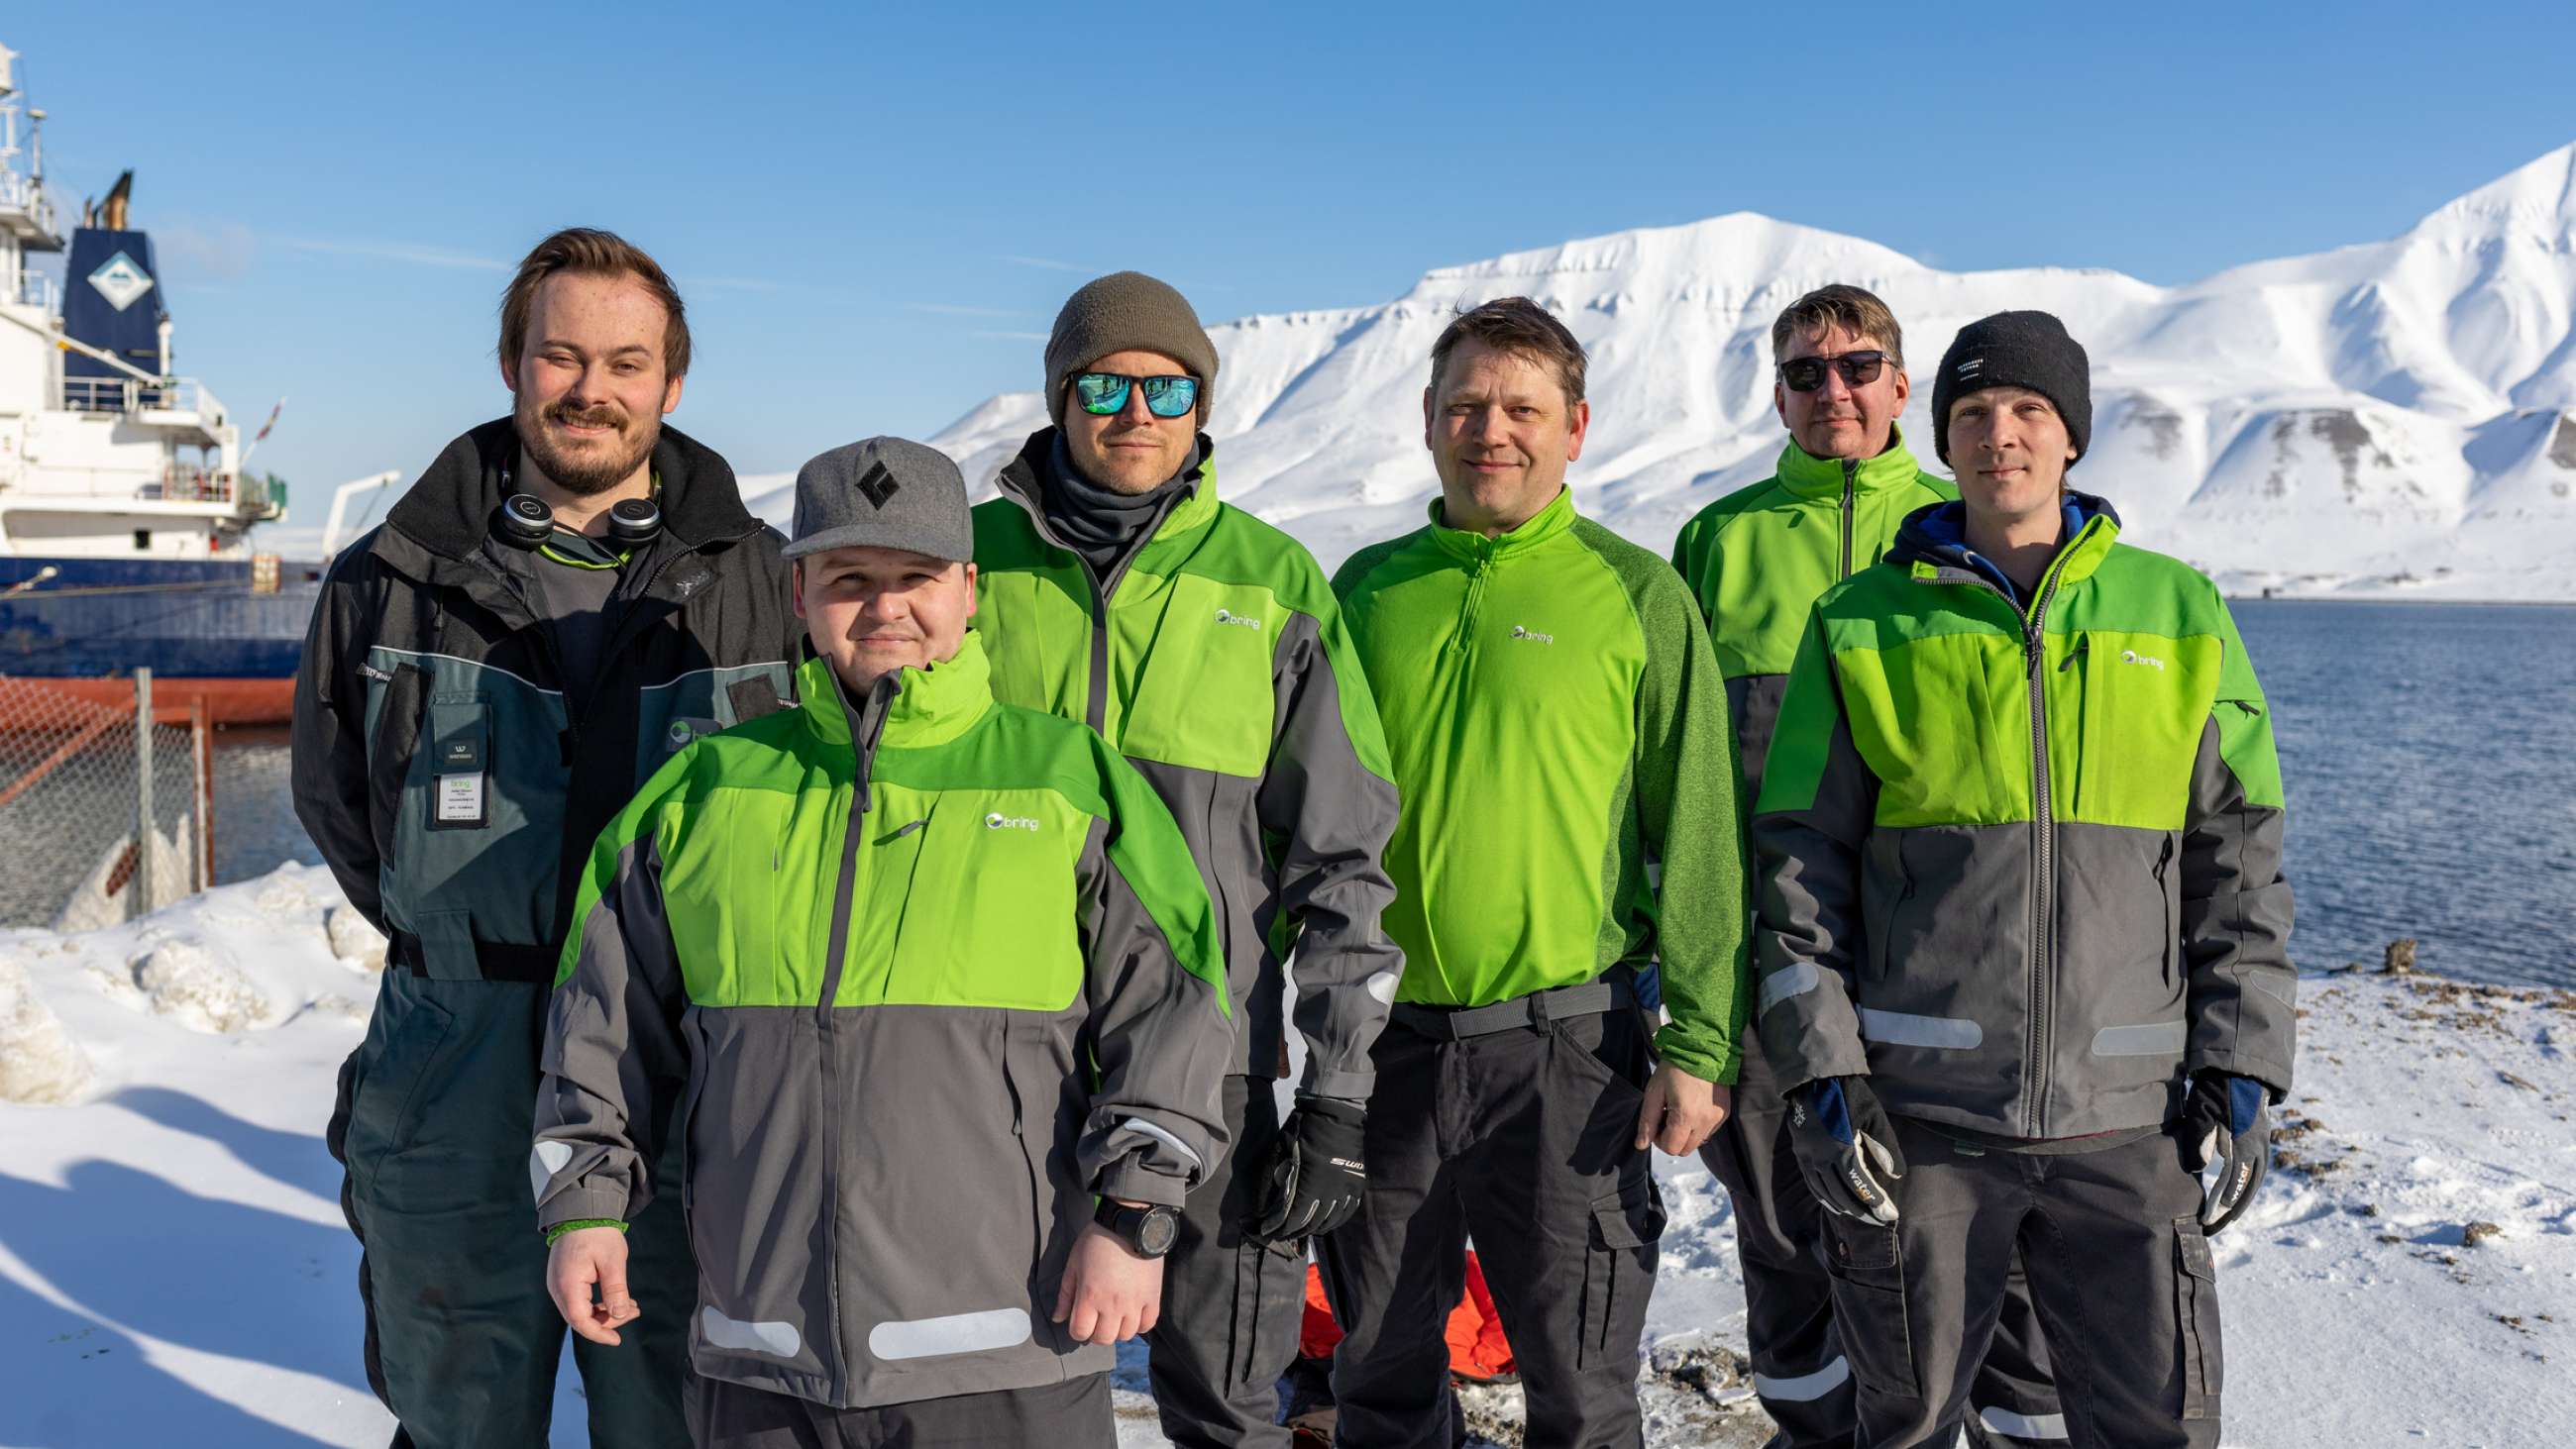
{"x": 932, "y": 973}
{"x": 1206, "y": 647}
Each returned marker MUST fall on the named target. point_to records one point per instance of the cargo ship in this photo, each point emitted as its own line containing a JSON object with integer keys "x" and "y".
{"x": 125, "y": 509}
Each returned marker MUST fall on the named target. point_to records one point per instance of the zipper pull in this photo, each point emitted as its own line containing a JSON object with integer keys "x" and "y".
{"x": 2082, "y": 643}
{"x": 907, "y": 830}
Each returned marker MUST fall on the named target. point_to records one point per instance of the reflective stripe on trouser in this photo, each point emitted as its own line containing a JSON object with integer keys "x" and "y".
{"x": 1075, "y": 1414}
{"x": 2119, "y": 1275}
{"x": 1799, "y": 1370}
{"x": 1522, "y": 1139}
{"x": 433, "y": 1126}
{"x": 1231, "y": 1307}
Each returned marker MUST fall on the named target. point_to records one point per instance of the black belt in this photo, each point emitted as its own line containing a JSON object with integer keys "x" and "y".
{"x": 1457, "y": 1023}
{"x": 495, "y": 963}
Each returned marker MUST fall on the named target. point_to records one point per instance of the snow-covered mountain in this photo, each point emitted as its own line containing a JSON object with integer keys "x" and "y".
{"x": 2393, "y": 417}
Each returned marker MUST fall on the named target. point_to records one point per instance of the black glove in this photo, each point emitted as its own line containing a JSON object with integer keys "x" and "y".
{"x": 1847, "y": 1148}
{"x": 2224, "y": 1125}
{"x": 1318, "y": 1175}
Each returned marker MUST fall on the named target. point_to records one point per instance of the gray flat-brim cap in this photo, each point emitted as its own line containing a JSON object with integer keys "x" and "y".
{"x": 883, "y": 493}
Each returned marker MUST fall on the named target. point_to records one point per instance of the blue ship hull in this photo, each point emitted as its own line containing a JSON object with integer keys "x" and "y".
{"x": 181, "y": 618}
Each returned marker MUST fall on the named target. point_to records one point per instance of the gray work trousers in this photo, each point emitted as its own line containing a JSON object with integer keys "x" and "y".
{"x": 2120, "y": 1276}
{"x": 433, "y": 1124}
{"x": 1075, "y": 1414}
{"x": 1231, "y": 1305}
{"x": 1799, "y": 1370}
{"x": 1523, "y": 1138}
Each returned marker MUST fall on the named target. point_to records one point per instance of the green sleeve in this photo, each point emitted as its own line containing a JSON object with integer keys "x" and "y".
{"x": 1691, "y": 821}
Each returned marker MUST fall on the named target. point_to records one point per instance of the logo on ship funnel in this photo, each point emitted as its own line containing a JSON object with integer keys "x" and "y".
{"x": 120, "y": 281}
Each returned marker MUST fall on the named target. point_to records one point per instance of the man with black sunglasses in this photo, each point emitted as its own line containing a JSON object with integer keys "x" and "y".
{"x": 1207, "y": 647}
{"x": 1756, "y": 560}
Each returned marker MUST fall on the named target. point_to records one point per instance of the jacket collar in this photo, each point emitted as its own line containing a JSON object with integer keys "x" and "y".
{"x": 909, "y": 709}
{"x": 447, "y": 512}
{"x": 1933, "y": 544}
{"x": 1024, "y": 476}
{"x": 1808, "y": 476}
{"x": 1535, "y": 531}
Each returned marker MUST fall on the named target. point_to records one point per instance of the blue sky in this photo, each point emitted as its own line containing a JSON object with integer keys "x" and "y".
{"x": 874, "y": 212}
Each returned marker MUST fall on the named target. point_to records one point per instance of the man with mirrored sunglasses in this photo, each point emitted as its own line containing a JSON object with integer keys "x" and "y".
{"x": 1756, "y": 560}
{"x": 1207, "y": 647}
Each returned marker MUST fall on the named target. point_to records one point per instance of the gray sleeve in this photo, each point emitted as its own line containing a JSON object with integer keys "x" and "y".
{"x": 1327, "y": 807}
{"x": 1159, "y": 1036}
{"x": 612, "y": 1058}
{"x": 2241, "y": 990}
{"x": 1815, "y": 815}
{"x": 327, "y": 743}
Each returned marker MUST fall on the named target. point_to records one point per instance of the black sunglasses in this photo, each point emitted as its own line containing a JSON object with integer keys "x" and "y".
{"x": 1806, "y": 374}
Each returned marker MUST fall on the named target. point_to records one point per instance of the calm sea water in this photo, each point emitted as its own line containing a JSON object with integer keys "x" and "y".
{"x": 2429, "y": 752}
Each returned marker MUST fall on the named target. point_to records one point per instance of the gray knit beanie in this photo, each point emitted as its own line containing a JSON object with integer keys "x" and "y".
{"x": 1121, "y": 311}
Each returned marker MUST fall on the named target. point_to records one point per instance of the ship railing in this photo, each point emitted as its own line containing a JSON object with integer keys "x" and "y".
{"x": 182, "y": 484}
{"x": 20, "y": 193}
{"x": 29, "y": 289}
{"x": 126, "y": 395}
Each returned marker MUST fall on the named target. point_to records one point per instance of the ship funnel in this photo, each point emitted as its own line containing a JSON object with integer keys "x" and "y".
{"x": 112, "y": 293}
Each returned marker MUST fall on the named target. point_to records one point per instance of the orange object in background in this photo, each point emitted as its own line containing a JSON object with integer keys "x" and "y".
{"x": 1478, "y": 1352}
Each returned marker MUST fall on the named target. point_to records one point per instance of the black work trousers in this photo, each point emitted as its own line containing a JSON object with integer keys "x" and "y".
{"x": 1799, "y": 1369}
{"x": 1524, "y": 1139}
{"x": 2120, "y": 1276}
{"x": 1231, "y": 1305}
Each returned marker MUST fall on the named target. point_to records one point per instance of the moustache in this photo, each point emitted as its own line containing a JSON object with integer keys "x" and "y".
{"x": 598, "y": 415}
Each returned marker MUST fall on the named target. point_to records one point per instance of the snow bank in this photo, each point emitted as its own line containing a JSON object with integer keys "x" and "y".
{"x": 39, "y": 1061}
{"x": 174, "y": 1269}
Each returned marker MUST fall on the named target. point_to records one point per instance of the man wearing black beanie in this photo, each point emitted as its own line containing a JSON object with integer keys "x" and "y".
{"x": 2023, "y": 935}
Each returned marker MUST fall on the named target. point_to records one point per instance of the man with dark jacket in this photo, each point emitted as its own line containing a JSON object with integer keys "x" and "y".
{"x": 2023, "y": 932}
{"x": 1206, "y": 646}
{"x": 565, "y": 598}
{"x": 931, "y": 972}
{"x": 1756, "y": 560}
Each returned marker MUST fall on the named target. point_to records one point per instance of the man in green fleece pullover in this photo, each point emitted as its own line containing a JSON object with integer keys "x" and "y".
{"x": 1755, "y": 560}
{"x": 927, "y": 975}
{"x": 1557, "y": 725}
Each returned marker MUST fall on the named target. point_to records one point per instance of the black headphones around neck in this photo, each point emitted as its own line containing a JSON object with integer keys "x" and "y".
{"x": 524, "y": 521}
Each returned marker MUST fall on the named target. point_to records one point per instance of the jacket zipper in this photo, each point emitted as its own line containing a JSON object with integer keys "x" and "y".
{"x": 1095, "y": 705}
{"x": 867, "y": 727}
{"x": 1851, "y": 472}
{"x": 1472, "y": 607}
{"x": 2043, "y": 885}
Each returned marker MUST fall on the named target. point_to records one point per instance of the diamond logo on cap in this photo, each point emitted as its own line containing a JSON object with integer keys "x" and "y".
{"x": 120, "y": 281}
{"x": 878, "y": 484}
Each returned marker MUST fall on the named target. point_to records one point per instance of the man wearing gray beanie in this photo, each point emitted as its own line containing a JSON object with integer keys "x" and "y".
{"x": 1207, "y": 647}
{"x": 946, "y": 997}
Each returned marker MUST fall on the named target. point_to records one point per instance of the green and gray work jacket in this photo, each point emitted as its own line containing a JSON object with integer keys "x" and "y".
{"x": 2021, "y": 867}
{"x": 1212, "y": 655}
{"x": 449, "y": 772}
{"x": 924, "y": 972}
{"x": 1757, "y": 559}
{"x": 1557, "y": 725}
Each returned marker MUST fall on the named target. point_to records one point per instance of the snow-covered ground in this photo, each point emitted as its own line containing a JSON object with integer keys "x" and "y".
{"x": 174, "y": 1269}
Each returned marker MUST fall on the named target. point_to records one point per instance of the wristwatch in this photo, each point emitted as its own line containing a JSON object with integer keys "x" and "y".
{"x": 1148, "y": 1232}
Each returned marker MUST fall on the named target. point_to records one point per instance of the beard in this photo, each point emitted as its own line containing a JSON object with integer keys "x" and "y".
{"x": 590, "y": 466}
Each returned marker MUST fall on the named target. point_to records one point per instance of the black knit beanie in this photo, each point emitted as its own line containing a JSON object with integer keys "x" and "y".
{"x": 1121, "y": 311}
{"x": 2016, "y": 349}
